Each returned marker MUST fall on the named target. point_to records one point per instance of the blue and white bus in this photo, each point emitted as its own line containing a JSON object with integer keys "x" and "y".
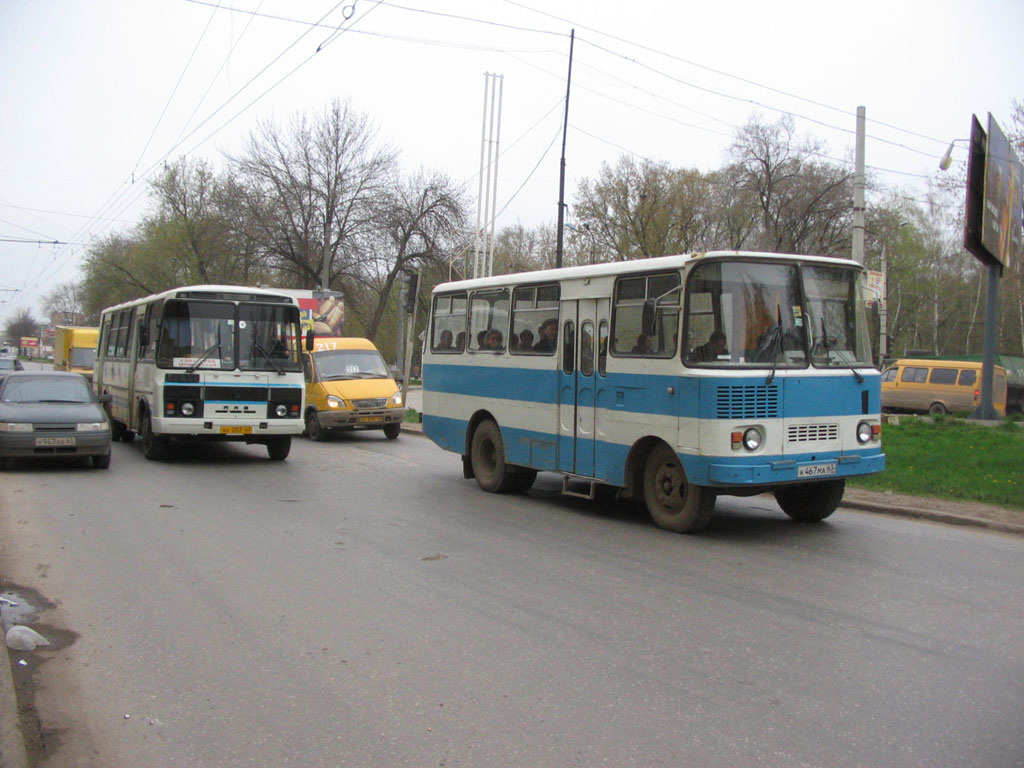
{"x": 674, "y": 379}
{"x": 203, "y": 362}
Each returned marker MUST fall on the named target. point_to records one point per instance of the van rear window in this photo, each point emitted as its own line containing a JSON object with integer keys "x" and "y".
{"x": 968, "y": 377}
{"x": 944, "y": 376}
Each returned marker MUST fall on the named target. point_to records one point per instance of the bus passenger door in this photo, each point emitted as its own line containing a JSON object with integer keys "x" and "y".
{"x": 577, "y": 400}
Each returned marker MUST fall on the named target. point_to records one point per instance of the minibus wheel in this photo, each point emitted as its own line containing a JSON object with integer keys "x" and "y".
{"x": 810, "y": 502}
{"x": 313, "y": 430}
{"x": 937, "y": 409}
{"x": 672, "y": 501}
{"x": 487, "y": 454}
{"x": 391, "y": 431}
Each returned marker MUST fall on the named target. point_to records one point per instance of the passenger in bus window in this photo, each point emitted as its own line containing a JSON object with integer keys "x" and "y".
{"x": 492, "y": 342}
{"x": 446, "y": 344}
{"x": 460, "y": 341}
{"x": 548, "y": 336}
{"x": 526, "y": 340}
{"x": 643, "y": 345}
{"x": 715, "y": 346}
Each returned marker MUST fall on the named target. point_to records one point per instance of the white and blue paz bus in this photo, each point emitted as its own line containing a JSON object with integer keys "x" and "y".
{"x": 201, "y": 363}
{"x": 676, "y": 379}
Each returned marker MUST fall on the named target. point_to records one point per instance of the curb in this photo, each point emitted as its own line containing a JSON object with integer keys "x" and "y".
{"x": 918, "y": 513}
{"x": 12, "y": 742}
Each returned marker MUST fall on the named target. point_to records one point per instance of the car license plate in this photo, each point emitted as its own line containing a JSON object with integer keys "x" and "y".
{"x": 236, "y": 430}
{"x": 50, "y": 442}
{"x": 370, "y": 419}
{"x": 817, "y": 470}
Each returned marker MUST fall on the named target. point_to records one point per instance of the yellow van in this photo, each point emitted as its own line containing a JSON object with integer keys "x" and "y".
{"x": 349, "y": 386}
{"x": 938, "y": 387}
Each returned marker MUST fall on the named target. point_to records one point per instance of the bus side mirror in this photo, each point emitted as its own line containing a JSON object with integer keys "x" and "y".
{"x": 647, "y": 318}
{"x": 310, "y": 339}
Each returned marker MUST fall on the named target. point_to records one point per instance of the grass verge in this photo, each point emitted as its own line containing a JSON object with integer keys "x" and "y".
{"x": 952, "y": 458}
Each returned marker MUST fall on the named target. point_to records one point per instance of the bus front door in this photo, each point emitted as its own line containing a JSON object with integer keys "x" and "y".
{"x": 578, "y": 380}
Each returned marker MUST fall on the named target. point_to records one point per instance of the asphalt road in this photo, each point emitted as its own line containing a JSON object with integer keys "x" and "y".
{"x": 362, "y": 604}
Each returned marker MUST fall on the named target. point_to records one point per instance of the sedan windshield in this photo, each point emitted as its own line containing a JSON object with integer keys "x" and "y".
{"x": 48, "y": 389}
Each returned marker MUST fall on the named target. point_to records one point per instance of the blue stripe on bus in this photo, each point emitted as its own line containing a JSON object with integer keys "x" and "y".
{"x": 838, "y": 394}
{"x": 541, "y": 450}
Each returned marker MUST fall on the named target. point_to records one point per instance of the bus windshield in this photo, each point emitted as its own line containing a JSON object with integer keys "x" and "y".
{"x": 201, "y": 334}
{"x": 756, "y": 314}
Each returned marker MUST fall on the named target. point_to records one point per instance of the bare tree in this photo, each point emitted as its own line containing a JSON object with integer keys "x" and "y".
{"x": 313, "y": 189}
{"x": 21, "y": 323}
{"x": 65, "y": 305}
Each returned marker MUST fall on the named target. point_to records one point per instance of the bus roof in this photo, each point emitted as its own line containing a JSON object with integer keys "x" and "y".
{"x": 627, "y": 267}
{"x": 223, "y": 292}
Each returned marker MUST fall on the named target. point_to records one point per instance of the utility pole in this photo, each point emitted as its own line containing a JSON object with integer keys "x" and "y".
{"x": 858, "y": 191}
{"x": 561, "y": 175}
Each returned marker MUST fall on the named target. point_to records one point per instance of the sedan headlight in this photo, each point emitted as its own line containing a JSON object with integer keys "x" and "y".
{"x": 396, "y": 399}
{"x": 333, "y": 401}
{"x": 14, "y": 426}
{"x": 92, "y": 426}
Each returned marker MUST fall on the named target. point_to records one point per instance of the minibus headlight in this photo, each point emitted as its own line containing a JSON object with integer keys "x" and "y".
{"x": 281, "y": 410}
{"x": 864, "y": 432}
{"x": 187, "y": 409}
{"x": 333, "y": 401}
{"x": 752, "y": 439}
{"x": 396, "y": 399}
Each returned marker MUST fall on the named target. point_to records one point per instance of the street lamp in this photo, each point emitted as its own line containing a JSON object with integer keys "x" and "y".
{"x": 947, "y": 157}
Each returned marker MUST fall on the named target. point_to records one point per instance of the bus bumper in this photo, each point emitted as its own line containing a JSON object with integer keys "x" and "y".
{"x": 795, "y": 470}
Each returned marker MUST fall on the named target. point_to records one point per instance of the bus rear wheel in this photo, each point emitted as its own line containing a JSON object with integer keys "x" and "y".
{"x": 487, "y": 454}
{"x": 810, "y": 502}
{"x": 672, "y": 501}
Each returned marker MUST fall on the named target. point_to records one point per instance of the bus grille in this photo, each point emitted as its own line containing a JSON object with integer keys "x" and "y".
{"x": 811, "y": 433}
{"x": 750, "y": 401}
{"x": 377, "y": 402}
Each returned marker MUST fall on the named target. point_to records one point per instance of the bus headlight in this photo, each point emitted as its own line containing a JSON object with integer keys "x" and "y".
{"x": 281, "y": 410}
{"x": 866, "y": 432}
{"x": 396, "y": 399}
{"x": 187, "y": 409}
{"x": 750, "y": 439}
{"x": 333, "y": 401}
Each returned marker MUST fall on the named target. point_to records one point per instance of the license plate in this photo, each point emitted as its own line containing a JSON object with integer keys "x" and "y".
{"x": 371, "y": 419}
{"x": 50, "y": 442}
{"x": 817, "y": 470}
{"x": 236, "y": 430}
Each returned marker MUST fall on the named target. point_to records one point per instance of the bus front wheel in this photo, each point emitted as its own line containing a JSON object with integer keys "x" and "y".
{"x": 278, "y": 448}
{"x": 487, "y": 454}
{"x": 810, "y": 502}
{"x": 673, "y": 502}
{"x": 154, "y": 447}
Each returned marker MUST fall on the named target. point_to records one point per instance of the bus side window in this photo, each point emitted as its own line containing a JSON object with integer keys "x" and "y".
{"x": 602, "y": 348}
{"x": 587, "y": 347}
{"x": 569, "y": 347}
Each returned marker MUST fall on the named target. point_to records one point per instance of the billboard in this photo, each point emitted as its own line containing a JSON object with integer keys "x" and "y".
{"x": 994, "y": 226}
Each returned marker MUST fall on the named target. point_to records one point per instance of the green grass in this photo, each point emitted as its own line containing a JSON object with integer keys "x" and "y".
{"x": 952, "y": 458}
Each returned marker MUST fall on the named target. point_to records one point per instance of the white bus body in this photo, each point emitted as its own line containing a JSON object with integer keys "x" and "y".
{"x": 205, "y": 362}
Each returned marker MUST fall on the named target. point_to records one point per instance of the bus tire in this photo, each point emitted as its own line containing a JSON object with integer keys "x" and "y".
{"x": 391, "y": 431}
{"x": 810, "y": 502}
{"x": 313, "y": 430}
{"x": 154, "y": 447}
{"x": 487, "y": 453}
{"x": 278, "y": 448}
{"x": 672, "y": 501}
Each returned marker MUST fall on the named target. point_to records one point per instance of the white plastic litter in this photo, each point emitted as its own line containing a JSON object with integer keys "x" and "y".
{"x": 22, "y": 638}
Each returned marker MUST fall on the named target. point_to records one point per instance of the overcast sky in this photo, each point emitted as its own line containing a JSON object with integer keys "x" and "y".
{"x": 96, "y": 94}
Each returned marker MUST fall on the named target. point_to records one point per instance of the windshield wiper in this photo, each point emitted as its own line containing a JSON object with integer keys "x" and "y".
{"x": 775, "y": 345}
{"x": 840, "y": 355}
{"x": 204, "y": 356}
{"x": 266, "y": 356}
